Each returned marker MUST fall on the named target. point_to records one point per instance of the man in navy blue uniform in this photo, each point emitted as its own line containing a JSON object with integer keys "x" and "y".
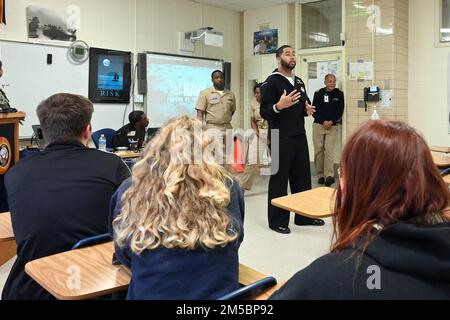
{"x": 329, "y": 103}
{"x": 285, "y": 104}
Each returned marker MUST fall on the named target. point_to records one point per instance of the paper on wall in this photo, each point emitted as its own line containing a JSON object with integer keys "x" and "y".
{"x": 328, "y": 67}
{"x": 360, "y": 71}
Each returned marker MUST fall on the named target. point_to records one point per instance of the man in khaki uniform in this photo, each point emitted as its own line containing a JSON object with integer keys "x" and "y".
{"x": 216, "y": 106}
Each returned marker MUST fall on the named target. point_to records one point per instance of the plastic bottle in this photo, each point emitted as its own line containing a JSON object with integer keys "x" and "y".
{"x": 102, "y": 143}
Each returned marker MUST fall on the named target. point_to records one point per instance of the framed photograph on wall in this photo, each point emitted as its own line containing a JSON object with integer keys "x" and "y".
{"x": 265, "y": 42}
{"x": 109, "y": 76}
{"x": 53, "y": 23}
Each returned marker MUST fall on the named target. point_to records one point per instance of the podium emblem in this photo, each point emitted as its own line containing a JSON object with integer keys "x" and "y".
{"x": 5, "y": 155}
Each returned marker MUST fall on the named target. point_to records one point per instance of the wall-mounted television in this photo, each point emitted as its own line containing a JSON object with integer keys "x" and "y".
{"x": 109, "y": 76}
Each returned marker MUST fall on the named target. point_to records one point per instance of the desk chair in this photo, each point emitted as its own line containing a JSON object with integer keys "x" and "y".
{"x": 445, "y": 172}
{"x": 250, "y": 290}
{"x": 109, "y": 134}
{"x": 90, "y": 241}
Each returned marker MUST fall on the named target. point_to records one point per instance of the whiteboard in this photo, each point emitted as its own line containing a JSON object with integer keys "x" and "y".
{"x": 28, "y": 79}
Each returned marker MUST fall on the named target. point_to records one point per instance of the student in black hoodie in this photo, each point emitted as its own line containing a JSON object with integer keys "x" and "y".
{"x": 285, "y": 104}
{"x": 392, "y": 227}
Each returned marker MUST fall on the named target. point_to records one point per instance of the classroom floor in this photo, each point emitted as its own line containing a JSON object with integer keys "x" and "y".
{"x": 269, "y": 252}
{"x": 276, "y": 254}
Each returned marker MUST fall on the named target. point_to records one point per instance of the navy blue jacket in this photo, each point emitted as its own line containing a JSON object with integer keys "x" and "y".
{"x": 331, "y": 110}
{"x": 176, "y": 274}
{"x": 57, "y": 197}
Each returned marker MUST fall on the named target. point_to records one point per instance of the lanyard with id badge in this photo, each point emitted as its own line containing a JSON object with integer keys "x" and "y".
{"x": 326, "y": 98}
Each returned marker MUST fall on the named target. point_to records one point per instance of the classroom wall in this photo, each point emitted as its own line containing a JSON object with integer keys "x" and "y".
{"x": 428, "y": 74}
{"x": 389, "y": 55}
{"x": 153, "y": 25}
{"x": 259, "y": 67}
{"x": 141, "y": 25}
{"x": 159, "y": 21}
{"x": 276, "y": 18}
{"x": 104, "y": 23}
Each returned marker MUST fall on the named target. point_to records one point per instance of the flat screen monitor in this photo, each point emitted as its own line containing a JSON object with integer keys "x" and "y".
{"x": 109, "y": 76}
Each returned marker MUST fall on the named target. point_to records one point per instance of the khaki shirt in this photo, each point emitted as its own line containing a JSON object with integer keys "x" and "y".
{"x": 219, "y": 108}
{"x": 260, "y": 122}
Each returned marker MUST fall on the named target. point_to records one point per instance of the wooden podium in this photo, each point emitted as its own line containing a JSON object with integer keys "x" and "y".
{"x": 9, "y": 148}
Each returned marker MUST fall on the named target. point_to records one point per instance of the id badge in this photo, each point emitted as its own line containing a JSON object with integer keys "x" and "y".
{"x": 326, "y": 99}
{"x": 214, "y": 99}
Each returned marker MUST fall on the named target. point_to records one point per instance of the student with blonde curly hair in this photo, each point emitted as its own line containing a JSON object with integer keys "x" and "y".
{"x": 392, "y": 226}
{"x": 178, "y": 221}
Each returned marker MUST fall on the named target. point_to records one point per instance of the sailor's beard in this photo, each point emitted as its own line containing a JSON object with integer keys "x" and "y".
{"x": 288, "y": 65}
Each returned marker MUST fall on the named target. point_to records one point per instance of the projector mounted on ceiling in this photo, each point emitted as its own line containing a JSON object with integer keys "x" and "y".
{"x": 207, "y": 35}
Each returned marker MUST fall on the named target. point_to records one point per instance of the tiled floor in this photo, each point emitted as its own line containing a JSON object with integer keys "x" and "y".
{"x": 263, "y": 249}
{"x": 277, "y": 254}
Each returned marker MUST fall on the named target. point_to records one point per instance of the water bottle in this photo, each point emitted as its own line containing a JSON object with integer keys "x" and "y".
{"x": 102, "y": 143}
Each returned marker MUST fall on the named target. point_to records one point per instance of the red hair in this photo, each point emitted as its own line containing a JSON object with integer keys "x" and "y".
{"x": 388, "y": 176}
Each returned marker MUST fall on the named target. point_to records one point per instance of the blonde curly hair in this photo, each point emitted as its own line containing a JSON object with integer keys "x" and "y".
{"x": 176, "y": 199}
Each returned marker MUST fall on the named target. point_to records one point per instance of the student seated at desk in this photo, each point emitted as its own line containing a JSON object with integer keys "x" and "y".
{"x": 392, "y": 227}
{"x": 60, "y": 195}
{"x": 134, "y": 131}
{"x": 178, "y": 222}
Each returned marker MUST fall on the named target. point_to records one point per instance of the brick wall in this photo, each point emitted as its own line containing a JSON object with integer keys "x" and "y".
{"x": 390, "y": 57}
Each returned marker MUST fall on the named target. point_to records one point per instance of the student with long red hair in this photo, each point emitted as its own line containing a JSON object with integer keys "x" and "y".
{"x": 392, "y": 226}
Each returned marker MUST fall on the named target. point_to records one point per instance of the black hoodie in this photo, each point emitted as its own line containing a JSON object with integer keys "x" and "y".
{"x": 405, "y": 261}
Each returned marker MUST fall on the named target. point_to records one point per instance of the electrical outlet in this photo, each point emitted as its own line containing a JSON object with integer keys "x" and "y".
{"x": 386, "y": 99}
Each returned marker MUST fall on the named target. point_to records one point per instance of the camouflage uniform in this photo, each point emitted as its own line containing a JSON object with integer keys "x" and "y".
{"x": 4, "y": 102}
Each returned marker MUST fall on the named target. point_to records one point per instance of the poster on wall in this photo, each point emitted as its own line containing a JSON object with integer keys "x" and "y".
{"x": 53, "y": 23}
{"x": 327, "y": 67}
{"x": 360, "y": 71}
{"x": 265, "y": 42}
